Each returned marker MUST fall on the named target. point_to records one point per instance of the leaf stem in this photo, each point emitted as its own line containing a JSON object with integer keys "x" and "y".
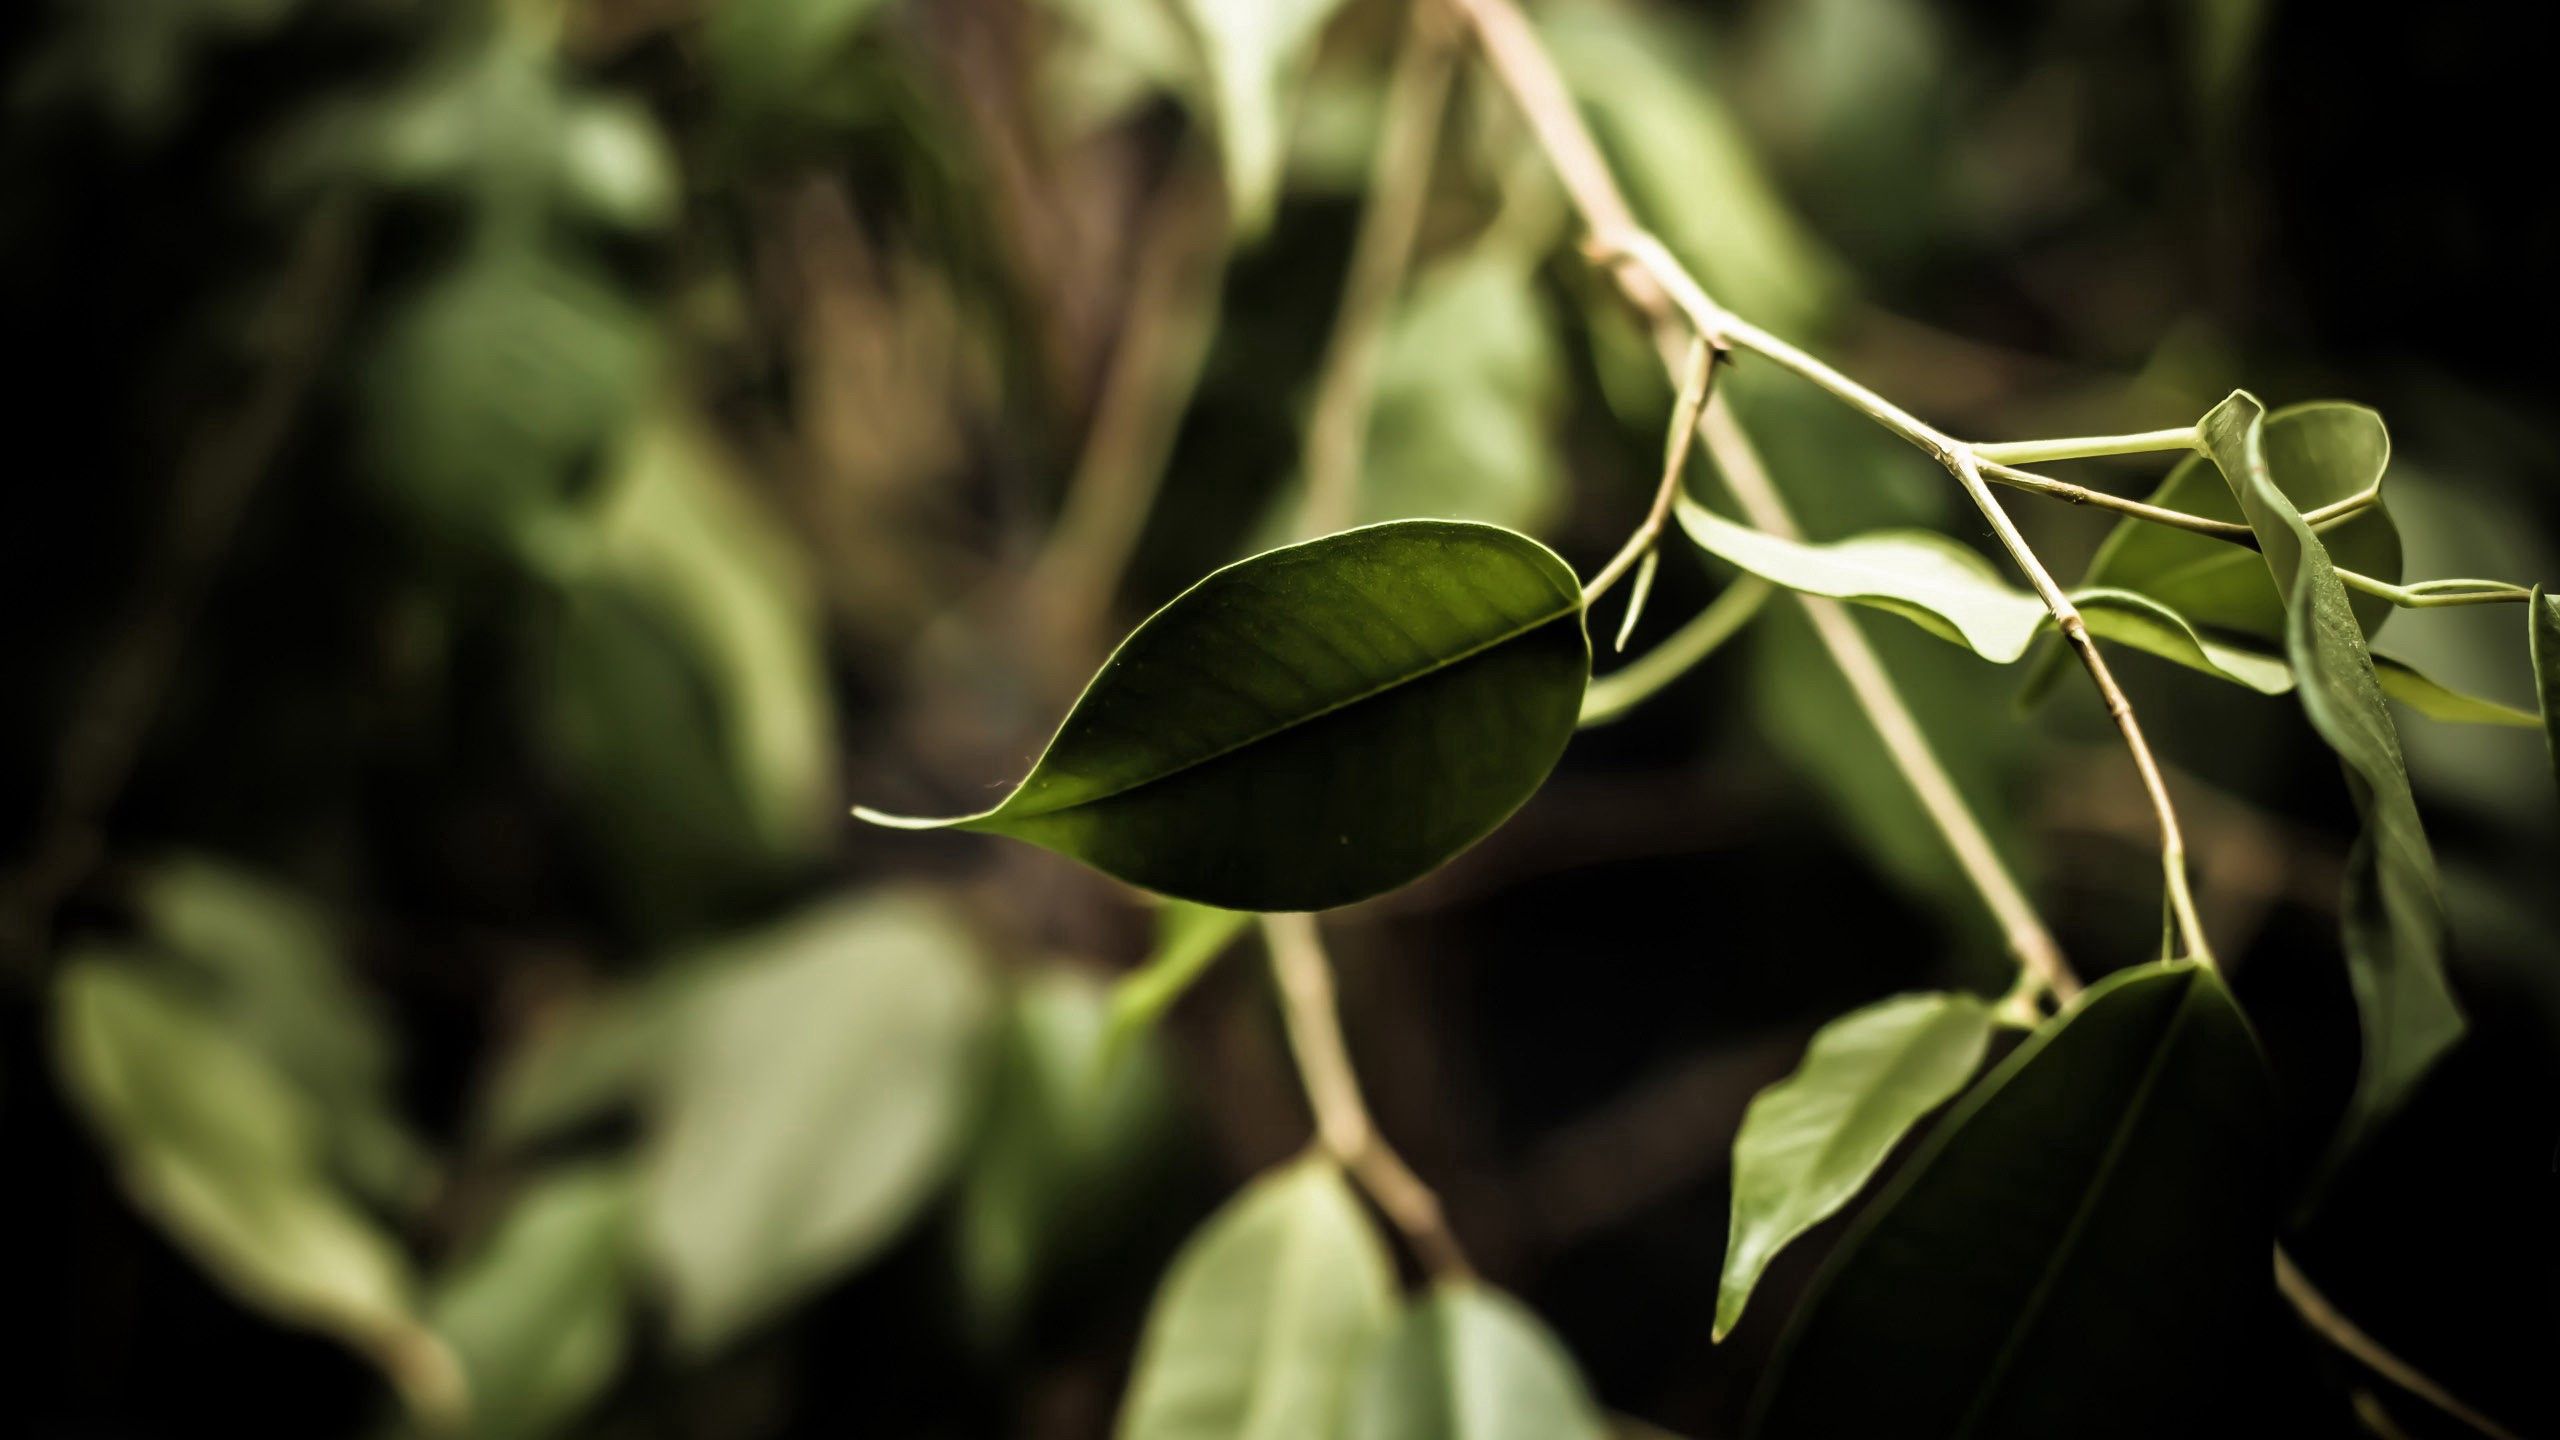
{"x": 1343, "y": 1127}
{"x": 2436, "y": 594}
{"x": 1697, "y": 378}
{"x": 1399, "y": 181}
{"x": 2338, "y": 1330}
{"x": 2084, "y": 447}
{"x": 1614, "y": 694}
{"x": 2010, "y": 475}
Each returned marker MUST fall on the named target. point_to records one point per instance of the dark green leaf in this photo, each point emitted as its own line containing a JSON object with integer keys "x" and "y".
{"x": 1261, "y": 1325}
{"x": 1469, "y": 1363}
{"x": 2543, "y": 640}
{"x": 2395, "y": 921}
{"x": 228, "y": 1156}
{"x": 813, "y": 1095}
{"x": 1811, "y": 1142}
{"x": 2077, "y": 1250}
{"x": 1318, "y": 724}
{"x": 2317, "y": 454}
{"x": 1926, "y": 578}
{"x": 536, "y": 1311}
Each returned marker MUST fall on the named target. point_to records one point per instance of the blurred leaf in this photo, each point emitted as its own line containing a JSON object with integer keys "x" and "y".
{"x": 2542, "y": 632}
{"x": 773, "y": 58}
{"x": 1812, "y": 1141}
{"x": 1934, "y": 582}
{"x": 1470, "y": 388}
{"x": 1065, "y": 1139}
{"x": 136, "y": 60}
{"x": 1470, "y": 1363}
{"x": 1256, "y": 54}
{"x": 536, "y": 1311}
{"x": 595, "y": 1057}
{"x": 1188, "y": 938}
{"x": 1375, "y": 701}
{"x": 273, "y": 971}
{"x": 2394, "y": 909}
{"x": 1858, "y": 98}
{"x": 2318, "y": 453}
{"x": 1111, "y": 56}
{"x": 2104, "y": 1196}
{"x": 227, "y": 1156}
{"x": 495, "y": 389}
{"x": 1262, "y": 1322}
{"x": 814, "y": 1095}
{"x": 1646, "y": 75}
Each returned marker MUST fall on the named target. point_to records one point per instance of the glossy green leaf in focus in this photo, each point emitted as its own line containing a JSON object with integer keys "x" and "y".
{"x": 2438, "y": 701}
{"x": 537, "y": 1309}
{"x": 1812, "y": 1141}
{"x": 2394, "y": 925}
{"x": 1470, "y": 1363}
{"x": 2131, "y": 618}
{"x": 2318, "y": 454}
{"x": 1926, "y": 578}
{"x": 1064, "y": 1144}
{"x": 2080, "y": 1249}
{"x": 229, "y": 1158}
{"x": 1318, "y": 724}
{"x": 1264, "y": 1321}
{"x": 815, "y": 1093}
{"x": 2543, "y": 641}
{"x": 1255, "y": 54}
{"x": 1188, "y": 938}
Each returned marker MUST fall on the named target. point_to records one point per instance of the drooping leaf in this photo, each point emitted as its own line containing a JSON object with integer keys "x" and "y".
{"x": 2130, "y": 618}
{"x": 2075, "y": 1251}
{"x": 537, "y": 1310}
{"x": 228, "y": 1157}
{"x": 1256, "y": 54}
{"x": 1471, "y": 1363}
{"x": 272, "y": 967}
{"x": 1188, "y": 938}
{"x": 2317, "y": 454}
{"x": 1926, "y": 578}
{"x": 1261, "y": 1325}
{"x": 2436, "y": 700}
{"x": 1065, "y": 1140}
{"x": 812, "y": 1097}
{"x": 2395, "y": 921}
{"x": 1811, "y": 1142}
{"x": 1317, "y": 724}
{"x": 2543, "y": 641}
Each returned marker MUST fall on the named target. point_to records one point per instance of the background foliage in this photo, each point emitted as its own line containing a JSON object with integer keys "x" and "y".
{"x": 499, "y": 481}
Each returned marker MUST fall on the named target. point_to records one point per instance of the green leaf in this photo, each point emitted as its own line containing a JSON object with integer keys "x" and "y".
{"x": 1470, "y": 386}
{"x": 2405, "y": 683}
{"x": 537, "y": 1309}
{"x": 1318, "y": 724}
{"x": 2080, "y": 1249}
{"x": 2395, "y": 920}
{"x": 1065, "y": 1140}
{"x": 2542, "y": 634}
{"x": 228, "y": 1157}
{"x": 587, "y": 1058}
{"x": 1256, "y": 54}
{"x": 2130, "y": 618}
{"x": 814, "y": 1094}
{"x": 1188, "y": 938}
{"x": 1812, "y": 1141}
{"x": 2317, "y": 454}
{"x": 774, "y": 58}
{"x": 1934, "y": 582}
{"x": 1265, "y": 1317}
{"x": 1471, "y": 1363}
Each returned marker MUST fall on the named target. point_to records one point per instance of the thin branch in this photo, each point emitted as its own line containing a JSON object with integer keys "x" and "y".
{"x": 2231, "y": 531}
{"x": 1697, "y": 378}
{"x": 1343, "y": 1126}
{"x": 2342, "y": 1332}
{"x": 2084, "y": 447}
{"x": 1399, "y": 181}
{"x": 1525, "y": 70}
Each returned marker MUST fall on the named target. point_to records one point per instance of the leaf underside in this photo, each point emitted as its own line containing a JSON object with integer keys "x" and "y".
{"x": 1468, "y": 1363}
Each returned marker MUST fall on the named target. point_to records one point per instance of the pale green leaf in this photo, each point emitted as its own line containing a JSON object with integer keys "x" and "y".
{"x": 1812, "y": 1141}
{"x": 2134, "y": 619}
{"x": 2543, "y": 641}
{"x": 1256, "y": 54}
{"x": 1471, "y": 1363}
{"x": 2395, "y": 920}
{"x": 1375, "y": 701}
{"x": 537, "y": 1309}
{"x": 1926, "y": 578}
{"x": 227, "y": 1156}
{"x": 2435, "y": 700}
{"x": 1265, "y": 1317}
{"x": 1188, "y": 938}
{"x": 813, "y": 1096}
{"x": 2107, "y": 1192}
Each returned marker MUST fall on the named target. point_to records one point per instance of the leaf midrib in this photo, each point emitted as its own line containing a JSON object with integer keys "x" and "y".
{"x": 1571, "y": 606}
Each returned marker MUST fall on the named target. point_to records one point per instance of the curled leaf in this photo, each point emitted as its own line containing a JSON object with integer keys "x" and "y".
{"x": 1926, "y": 578}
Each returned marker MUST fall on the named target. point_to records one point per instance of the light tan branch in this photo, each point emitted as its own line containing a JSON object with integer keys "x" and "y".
{"x": 1343, "y": 1126}
{"x": 1697, "y": 379}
